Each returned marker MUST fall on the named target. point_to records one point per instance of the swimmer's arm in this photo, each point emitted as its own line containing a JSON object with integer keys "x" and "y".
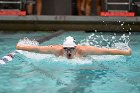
{"x": 36, "y": 49}
{"x": 91, "y": 50}
{"x": 118, "y": 52}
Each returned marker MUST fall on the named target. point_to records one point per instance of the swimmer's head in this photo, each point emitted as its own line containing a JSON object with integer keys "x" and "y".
{"x": 69, "y": 47}
{"x": 69, "y": 42}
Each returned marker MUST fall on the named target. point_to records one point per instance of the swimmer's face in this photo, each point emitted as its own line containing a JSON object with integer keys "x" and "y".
{"x": 69, "y": 52}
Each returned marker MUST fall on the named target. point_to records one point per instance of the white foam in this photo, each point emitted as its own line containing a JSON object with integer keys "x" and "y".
{"x": 78, "y": 61}
{"x": 105, "y": 57}
{"x": 2, "y": 62}
{"x": 35, "y": 56}
{"x": 52, "y": 58}
{"x": 121, "y": 46}
{"x": 26, "y": 41}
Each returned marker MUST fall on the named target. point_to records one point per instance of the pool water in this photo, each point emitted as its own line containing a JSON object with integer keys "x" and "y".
{"x": 41, "y": 73}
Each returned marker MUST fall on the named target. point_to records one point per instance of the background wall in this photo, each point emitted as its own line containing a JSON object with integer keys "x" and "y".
{"x": 63, "y": 7}
{"x": 57, "y": 7}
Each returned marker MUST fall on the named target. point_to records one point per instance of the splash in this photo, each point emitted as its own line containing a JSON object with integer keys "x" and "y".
{"x": 107, "y": 41}
{"x": 36, "y": 56}
{"x": 110, "y": 41}
{"x": 27, "y": 41}
{"x": 75, "y": 61}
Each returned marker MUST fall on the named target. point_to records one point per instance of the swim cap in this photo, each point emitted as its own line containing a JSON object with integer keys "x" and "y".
{"x": 69, "y": 42}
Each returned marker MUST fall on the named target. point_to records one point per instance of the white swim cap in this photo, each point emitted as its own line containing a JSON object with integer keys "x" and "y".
{"x": 69, "y": 42}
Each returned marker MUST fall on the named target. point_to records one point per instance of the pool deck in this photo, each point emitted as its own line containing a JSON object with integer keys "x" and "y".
{"x": 69, "y": 23}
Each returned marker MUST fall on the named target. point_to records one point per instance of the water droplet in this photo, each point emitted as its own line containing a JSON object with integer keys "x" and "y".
{"x": 113, "y": 37}
{"x": 121, "y": 24}
{"x": 95, "y": 30}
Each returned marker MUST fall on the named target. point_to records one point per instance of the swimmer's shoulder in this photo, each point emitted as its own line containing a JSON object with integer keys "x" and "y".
{"x": 55, "y": 46}
{"x": 80, "y": 49}
{"x": 56, "y": 49}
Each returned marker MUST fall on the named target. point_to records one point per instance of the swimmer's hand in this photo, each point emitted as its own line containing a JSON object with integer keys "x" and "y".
{"x": 129, "y": 52}
{"x": 18, "y": 46}
{"x": 120, "y": 52}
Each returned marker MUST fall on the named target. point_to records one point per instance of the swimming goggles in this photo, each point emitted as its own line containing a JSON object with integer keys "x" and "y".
{"x": 69, "y": 48}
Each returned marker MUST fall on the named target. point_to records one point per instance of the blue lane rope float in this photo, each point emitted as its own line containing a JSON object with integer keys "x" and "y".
{"x": 9, "y": 57}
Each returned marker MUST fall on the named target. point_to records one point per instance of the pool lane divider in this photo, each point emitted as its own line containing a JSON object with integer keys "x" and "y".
{"x": 10, "y": 56}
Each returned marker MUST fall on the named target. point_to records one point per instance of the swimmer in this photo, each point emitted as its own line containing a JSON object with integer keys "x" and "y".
{"x": 69, "y": 49}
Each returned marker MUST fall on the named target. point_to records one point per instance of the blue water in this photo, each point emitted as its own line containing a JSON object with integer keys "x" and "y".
{"x": 35, "y": 73}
